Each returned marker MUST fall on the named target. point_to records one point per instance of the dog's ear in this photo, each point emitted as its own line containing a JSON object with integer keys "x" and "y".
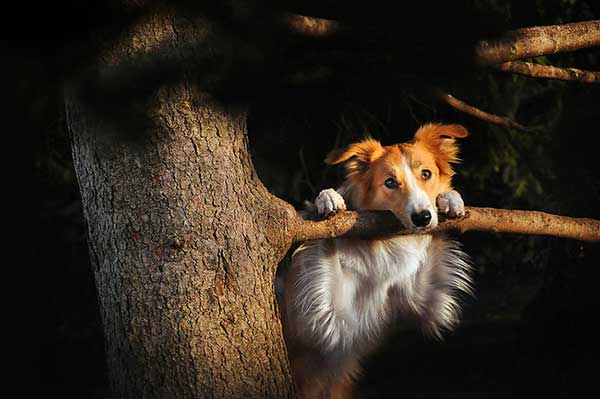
{"x": 440, "y": 139}
{"x": 356, "y": 157}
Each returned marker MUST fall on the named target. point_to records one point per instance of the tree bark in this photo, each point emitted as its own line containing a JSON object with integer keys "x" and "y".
{"x": 536, "y": 41}
{"x": 310, "y": 26}
{"x": 549, "y": 72}
{"x": 184, "y": 239}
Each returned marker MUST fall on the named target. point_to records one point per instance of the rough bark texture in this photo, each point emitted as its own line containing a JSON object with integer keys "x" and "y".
{"x": 549, "y": 72}
{"x": 184, "y": 239}
{"x": 309, "y": 26}
{"x": 380, "y": 224}
{"x": 538, "y": 40}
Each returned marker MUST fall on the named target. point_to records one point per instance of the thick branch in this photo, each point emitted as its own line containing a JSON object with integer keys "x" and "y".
{"x": 476, "y": 112}
{"x": 380, "y": 224}
{"x": 550, "y": 72}
{"x": 538, "y": 40}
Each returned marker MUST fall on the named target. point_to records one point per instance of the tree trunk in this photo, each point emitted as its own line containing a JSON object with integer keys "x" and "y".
{"x": 184, "y": 239}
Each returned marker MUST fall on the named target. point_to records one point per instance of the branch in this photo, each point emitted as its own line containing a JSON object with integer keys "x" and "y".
{"x": 476, "y": 112}
{"x": 311, "y": 26}
{"x": 536, "y": 41}
{"x": 550, "y": 72}
{"x": 382, "y": 224}
{"x": 512, "y": 45}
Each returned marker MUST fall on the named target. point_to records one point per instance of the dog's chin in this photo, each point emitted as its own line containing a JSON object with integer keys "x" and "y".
{"x": 423, "y": 230}
{"x": 434, "y": 223}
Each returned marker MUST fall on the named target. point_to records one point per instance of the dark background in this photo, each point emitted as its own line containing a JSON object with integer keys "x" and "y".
{"x": 529, "y": 332}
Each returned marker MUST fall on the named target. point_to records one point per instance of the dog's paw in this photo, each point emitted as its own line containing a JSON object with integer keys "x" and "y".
{"x": 329, "y": 201}
{"x": 450, "y": 204}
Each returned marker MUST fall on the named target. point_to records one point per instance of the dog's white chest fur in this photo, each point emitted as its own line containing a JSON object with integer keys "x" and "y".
{"x": 344, "y": 286}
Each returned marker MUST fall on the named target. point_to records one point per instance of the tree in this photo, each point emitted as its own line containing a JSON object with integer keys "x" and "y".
{"x": 184, "y": 238}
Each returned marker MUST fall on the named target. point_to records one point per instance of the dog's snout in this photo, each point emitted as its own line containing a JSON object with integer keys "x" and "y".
{"x": 421, "y": 219}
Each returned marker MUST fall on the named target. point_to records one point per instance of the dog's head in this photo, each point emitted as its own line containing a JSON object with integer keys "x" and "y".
{"x": 405, "y": 178}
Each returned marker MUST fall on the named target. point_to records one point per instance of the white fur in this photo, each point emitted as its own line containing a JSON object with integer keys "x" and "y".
{"x": 329, "y": 201}
{"x": 451, "y": 204}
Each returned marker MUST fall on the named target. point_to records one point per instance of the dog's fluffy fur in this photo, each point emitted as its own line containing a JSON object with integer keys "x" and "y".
{"x": 340, "y": 295}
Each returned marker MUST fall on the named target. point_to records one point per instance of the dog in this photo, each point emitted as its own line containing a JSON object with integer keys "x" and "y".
{"x": 341, "y": 296}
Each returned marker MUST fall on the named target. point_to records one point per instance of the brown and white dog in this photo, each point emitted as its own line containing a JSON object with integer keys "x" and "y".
{"x": 341, "y": 295}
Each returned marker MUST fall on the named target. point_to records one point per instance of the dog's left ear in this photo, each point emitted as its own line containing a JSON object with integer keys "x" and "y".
{"x": 440, "y": 139}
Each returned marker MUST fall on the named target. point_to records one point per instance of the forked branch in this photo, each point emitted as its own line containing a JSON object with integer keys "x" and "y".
{"x": 381, "y": 224}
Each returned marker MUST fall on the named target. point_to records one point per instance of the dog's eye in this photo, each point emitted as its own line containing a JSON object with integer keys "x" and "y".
{"x": 425, "y": 174}
{"x": 391, "y": 183}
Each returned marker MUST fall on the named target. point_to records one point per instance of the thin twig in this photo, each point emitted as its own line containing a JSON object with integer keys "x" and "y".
{"x": 461, "y": 106}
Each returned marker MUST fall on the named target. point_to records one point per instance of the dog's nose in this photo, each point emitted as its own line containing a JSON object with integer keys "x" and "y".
{"x": 421, "y": 219}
